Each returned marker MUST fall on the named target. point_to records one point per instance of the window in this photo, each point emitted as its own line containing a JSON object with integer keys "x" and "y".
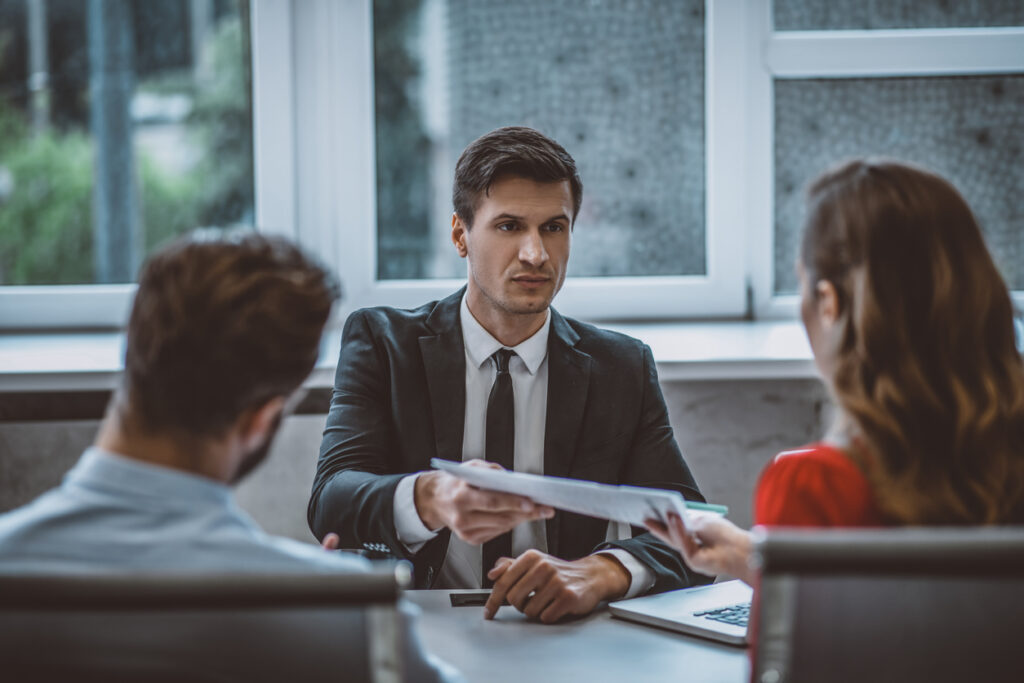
{"x": 620, "y": 84}
{"x": 938, "y": 84}
{"x": 124, "y": 124}
{"x": 423, "y": 77}
{"x": 399, "y": 122}
{"x": 970, "y": 129}
{"x": 695, "y": 124}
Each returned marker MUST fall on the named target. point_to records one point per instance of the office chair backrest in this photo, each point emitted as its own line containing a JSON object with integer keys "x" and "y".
{"x": 900, "y": 605}
{"x": 186, "y": 627}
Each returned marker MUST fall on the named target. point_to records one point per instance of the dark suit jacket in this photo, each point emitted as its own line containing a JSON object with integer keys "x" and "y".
{"x": 399, "y": 400}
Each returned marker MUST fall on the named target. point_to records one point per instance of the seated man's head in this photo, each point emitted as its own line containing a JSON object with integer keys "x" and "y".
{"x": 516, "y": 196}
{"x": 224, "y": 328}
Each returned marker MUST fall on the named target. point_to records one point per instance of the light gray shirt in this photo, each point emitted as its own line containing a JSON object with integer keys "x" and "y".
{"x": 113, "y": 512}
{"x": 529, "y": 371}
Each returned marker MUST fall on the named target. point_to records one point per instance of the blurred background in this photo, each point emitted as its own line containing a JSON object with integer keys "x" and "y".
{"x": 695, "y": 124}
{"x": 121, "y": 125}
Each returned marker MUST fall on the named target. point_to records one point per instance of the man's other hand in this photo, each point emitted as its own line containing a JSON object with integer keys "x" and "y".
{"x": 547, "y": 588}
{"x": 474, "y": 515}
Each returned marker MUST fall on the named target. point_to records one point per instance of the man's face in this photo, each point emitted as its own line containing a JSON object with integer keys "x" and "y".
{"x": 518, "y": 246}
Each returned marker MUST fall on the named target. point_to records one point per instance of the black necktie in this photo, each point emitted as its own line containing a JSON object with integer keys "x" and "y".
{"x": 501, "y": 439}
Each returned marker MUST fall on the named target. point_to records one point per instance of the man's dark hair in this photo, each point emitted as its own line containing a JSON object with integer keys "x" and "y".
{"x": 221, "y": 323}
{"x": 513, "y": 151}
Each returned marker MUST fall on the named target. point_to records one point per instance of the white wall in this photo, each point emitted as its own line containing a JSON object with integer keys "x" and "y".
{"x": 727, "y": 431}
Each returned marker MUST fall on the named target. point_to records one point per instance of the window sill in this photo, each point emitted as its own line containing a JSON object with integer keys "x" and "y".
{"x": 726, "y": 350}
{"x": 683, "y": 351}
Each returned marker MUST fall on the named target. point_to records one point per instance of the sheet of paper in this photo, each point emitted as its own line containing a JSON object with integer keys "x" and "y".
{"x": 630, "y": 504}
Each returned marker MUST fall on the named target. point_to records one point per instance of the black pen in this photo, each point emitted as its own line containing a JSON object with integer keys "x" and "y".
{"x": 471, "y": 599}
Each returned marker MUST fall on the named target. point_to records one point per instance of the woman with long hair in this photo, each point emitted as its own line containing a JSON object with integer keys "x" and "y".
{"x": 912, "y": 330}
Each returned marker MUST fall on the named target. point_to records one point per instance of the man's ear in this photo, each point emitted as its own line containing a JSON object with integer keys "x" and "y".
{"x": 459, "y": 231}
{"x": 827, "y": 303}
{"x": 257, "y": 423}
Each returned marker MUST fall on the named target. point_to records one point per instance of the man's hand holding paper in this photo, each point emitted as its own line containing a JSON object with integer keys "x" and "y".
{"x": 630, "y": 504}
{"x": 476, "y": 515}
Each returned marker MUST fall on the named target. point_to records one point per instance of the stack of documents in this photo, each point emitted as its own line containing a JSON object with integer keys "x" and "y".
{"x": 630, "y": 504}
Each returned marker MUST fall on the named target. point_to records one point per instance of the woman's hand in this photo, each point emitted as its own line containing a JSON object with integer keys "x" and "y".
{"x": 710, "y": 545}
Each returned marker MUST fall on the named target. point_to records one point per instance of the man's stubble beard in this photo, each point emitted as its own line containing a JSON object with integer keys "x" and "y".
{"x": 255, "y": 458}
{"x": 508, "y": 305}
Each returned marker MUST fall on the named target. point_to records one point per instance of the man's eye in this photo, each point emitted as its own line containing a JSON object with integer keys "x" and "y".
{"x": 507, "y": 226}
{"x": 555, "y": 227}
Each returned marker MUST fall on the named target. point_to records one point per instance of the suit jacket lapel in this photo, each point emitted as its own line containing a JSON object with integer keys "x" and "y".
{"x": 568, "y": 382}
{"x": 444, "y": 360}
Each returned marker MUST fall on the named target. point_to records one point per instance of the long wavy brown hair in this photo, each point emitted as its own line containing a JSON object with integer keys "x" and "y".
{"x": 927, "y": 372}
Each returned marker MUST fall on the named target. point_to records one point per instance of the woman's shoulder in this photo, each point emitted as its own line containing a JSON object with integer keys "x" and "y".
{"x": 817, "y": 456}
{"x": 816, "y": 485}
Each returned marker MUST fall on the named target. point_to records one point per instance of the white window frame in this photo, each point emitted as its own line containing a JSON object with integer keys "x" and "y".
{"x": 847, "y": 54}
{"x": 315, "y": 178}
{"x": 333, "y": 166}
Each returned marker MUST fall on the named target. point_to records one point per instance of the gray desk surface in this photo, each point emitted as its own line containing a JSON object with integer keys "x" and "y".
{"x": 596, "y": 648}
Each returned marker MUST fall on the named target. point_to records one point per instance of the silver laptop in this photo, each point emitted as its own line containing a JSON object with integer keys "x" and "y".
{"x": 719, "y": 611}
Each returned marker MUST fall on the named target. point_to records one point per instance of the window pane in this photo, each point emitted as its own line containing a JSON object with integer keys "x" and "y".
{"x": 817, "y": 15}
{"x": 122, "y": 125}
{"x": 619, "y": 83}
{"x": 968, "y": 129}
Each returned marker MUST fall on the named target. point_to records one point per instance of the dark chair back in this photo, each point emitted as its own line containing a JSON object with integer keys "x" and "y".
{"x": 185, "y": 627}
{"x": 913, "y": 604}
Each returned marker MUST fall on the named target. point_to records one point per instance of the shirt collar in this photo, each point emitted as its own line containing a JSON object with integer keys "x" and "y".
{"x": 99, "y": 469}
{"x": 481, "y": 345}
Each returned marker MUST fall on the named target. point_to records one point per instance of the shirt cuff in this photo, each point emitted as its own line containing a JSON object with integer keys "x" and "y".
{"x": 408, "y": 526}
{"x": 641, "y": 578}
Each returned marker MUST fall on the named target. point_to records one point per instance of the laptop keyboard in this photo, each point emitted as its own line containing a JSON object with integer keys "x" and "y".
{"x": 736, "y": 615}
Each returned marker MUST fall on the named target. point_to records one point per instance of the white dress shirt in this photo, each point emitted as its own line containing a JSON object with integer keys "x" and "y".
{"x": 529, "y": 371}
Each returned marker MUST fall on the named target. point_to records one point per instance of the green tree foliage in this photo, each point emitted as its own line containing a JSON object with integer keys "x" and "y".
{"x": 46, "y": 220}
{"x": 46, "y": 178}
{"x": 403, "y": 147}
{"x": 222, "y": 121}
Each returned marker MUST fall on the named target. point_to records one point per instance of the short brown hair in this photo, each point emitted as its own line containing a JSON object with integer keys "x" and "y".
{"x": 515, "y": 151}
{"x": 221, "y": 323}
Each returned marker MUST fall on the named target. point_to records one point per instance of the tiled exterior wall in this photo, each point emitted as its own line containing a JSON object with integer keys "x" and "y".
{"x": 970, "y": 130}
{"x": 619, "y": 83}
{"x": 830, "y": 15}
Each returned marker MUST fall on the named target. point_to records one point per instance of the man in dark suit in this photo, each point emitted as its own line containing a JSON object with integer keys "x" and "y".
{"x": 493, "y": 373}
